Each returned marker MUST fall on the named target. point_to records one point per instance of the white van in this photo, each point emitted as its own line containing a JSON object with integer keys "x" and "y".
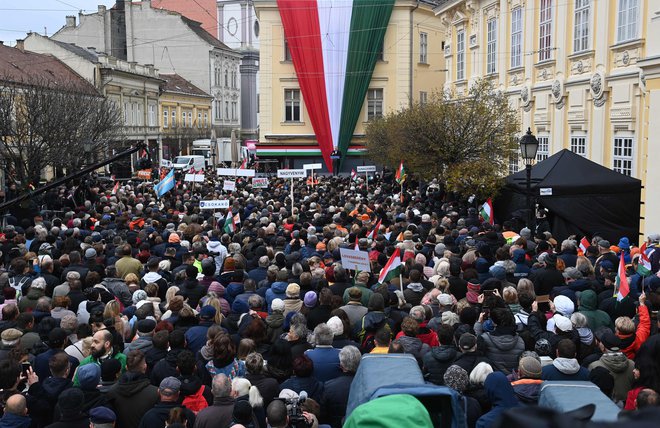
{"x": 185, "y": 163}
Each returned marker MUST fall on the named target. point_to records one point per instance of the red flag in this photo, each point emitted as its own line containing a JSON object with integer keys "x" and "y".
{"x": 621, "y": 281}
{"x": 357, "y": 247}
{"x": 374, "y": 232}
{"x": 115, "y": 188}
{"x": 584, "y": 244}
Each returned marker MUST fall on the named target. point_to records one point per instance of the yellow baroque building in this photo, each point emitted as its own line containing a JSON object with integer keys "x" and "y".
{"x": 584, "y": 75}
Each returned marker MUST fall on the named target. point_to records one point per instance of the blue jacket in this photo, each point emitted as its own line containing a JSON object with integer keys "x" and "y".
{"x": 326, "y": 362}
{"x": 564, "y": 369}
{"x": 276, "y": 291}
{"x": 10, "y": 420}
{"x": 502, "y": 396}
{"x": 232, "y": 290}
{"x": 196, "y": 336}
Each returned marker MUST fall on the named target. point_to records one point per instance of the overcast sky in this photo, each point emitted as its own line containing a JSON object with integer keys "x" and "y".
{"x": 19, "y": 17}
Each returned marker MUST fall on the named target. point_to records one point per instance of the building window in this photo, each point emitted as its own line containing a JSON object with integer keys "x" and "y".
{"x": 516, "y": 37}
{"x": 226, "y": 78}
{"x": 544, "y": 148}
{"x": 234, "y": 110}
{"x": 581, "y": 26}
{"x": 380, "y": 56}
{"x": 217, "y": 76}
{"x": 628, "y": 18}
{"x": 545, "y": 30}
{"x": 423, "y": 47}
{"x": 423, "y": 97}
{"x": 183, "y": 119}
{"x": 166, "y": 117}
{"x": 206, "y": 119}
{"x": 374, "y": 103}
{"x": 491, "y": 47}
{"x": 579, "y": 145}
{"x": 226, "y": 110}
{"x": 292, "y": 105}
{"x": 218, "y": 109}
{"x": 460, "y": 55}
{"x": 134, "y": 113}
{"x": 199, "y": 119}
{"x": 126, "y": 114}
{"x": 287, "y": 51}
{"x": 140, "y": 116}
{"x": 514, "y": 162}
{"x": 152, "y": 115}
{"x": 190, "y": 123}
{"x": 173, "y": 118}
{"x": 623, "y": 155}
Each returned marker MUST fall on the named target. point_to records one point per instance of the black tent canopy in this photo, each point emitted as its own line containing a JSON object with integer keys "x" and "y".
{"x": 582, "y": 197}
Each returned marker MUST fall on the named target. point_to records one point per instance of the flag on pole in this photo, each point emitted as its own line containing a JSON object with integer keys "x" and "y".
{"x": 486, "y": 211}
{"x": 584, "y": 244}
{"x": 399, "y": 237}
{"x": 354, "y": 175}
{"x": 621, "y": 285}
{"x": 357, "y": 247}
{"x": 392, "y": 268}
{"x": 231, "y": 223}
{"x": 644, "y": 263}
{"x": 115, "y": 188}
{"x": 243, "y": 164}
{"x": 374, "y": 232}
{"x": 401, "y": 174}
{"x": 165, "y": 185}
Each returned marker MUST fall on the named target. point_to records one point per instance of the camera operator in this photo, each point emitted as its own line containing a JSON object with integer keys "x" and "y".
{"x": 279, "y": 414}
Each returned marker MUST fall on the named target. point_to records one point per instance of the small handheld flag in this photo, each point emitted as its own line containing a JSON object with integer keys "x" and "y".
{"x": 644, "y": 263}
{"x": 584, "y": 244}
{"x": 486, "y": 211}
{"x": 401, "y": 174}
{"x": 354, "y": 175}
{"x": 357, "y": 247}
{"x": 621, "y": 285}
{"x": 165, "y": 185}
{"x": 392, "y": 268}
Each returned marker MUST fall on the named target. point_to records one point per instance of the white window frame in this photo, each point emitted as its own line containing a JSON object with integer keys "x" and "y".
{"x": 218, "y": 109}
{"x": 292, "y": 101}
{"x": 491, "y": 46}
{"x": 126, "y": 115}
{"x": 184, "y": 122}
{"x": 199, "y": 119}
{"x": 226, "y": 110}
{"x": 545, "y": 30}
{"x": 514, "y": 161}
{"x": 173, "y": 116}
{"x": 579, "y": 144}
{"x": 623, "y": 154}
{"x": 423, "y": 97}
{"x": 190, "y": 119}
{"x": 423, "y": 48}
{"x": 206, "y": 119}
{"x": 627, "y": 17}
{"x": 152, "y": 114}
{"x": 234, "y": 110}
{"x": 375, "y": 103}
{"x": 581, "y": 22}
{"x": 140, "y": 115}
{"x": 516, "y": 37}
{"x": 543, "y": 151}
{"x": 166, "y": 117}
{"x": 460, "y": 55}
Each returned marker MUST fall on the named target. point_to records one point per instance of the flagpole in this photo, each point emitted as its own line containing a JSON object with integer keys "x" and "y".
{"x": 291, "y": 196}
{"x": 366, "y": 178}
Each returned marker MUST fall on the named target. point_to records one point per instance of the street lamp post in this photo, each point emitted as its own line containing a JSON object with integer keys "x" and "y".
{"x": 528, "y": 148}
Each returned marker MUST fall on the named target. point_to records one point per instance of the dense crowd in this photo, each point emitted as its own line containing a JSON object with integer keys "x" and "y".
{"x": 134, "y": 311}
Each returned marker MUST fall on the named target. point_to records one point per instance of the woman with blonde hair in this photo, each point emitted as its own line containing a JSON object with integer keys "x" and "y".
{"x": 215, "y": 302}
{"x": 113, "y": 311}
{"x": 132, "y": 282}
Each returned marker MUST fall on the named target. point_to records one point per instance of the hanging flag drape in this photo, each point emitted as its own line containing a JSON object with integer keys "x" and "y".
{"x": 334, "y": 46}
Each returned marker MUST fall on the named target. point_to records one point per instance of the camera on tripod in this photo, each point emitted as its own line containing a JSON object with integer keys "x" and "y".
{"x": 295, "y": 411}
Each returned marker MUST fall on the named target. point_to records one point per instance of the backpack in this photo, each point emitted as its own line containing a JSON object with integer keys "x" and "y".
{"x": 368, "y": 335}
{"x": 18, "y": 286}
{"x": 196, "y": 401}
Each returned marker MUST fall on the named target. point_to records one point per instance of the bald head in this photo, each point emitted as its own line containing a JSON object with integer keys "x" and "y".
{"x": 16, "y": 405}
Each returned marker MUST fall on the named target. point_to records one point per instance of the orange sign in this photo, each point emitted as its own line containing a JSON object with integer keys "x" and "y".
{"x": 144, "y": 174}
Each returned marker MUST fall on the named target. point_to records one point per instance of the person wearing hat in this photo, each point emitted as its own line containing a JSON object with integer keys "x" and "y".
{"x": 89, "y": 378}
{"x": 11, "y": 339}
{"x": 616, "y": 363}
{"x": 588, "y": 306}
{"x": 57, "y": 341}
{"x": 565, "y": 367}
{"x": 278, "y": 288}
{"x": 196, "y": 336}
{"x": 102, "y": 417}
{"x": 528, "y": 385}
{"x": 292, "y": 302}
{"x": 36, "y": 291}
{"x": 605, "y": 253}
{"x": 320, "y": 312}
{"x": 168, "y": 394}
{"x": 548, "y": 277}
{"x": 144, "y": 339}
{"x": 75, "y": 265}
{"x": 71, "y": 403}
{"x": 469, "y": 356}
{"x": 275, "y": 320}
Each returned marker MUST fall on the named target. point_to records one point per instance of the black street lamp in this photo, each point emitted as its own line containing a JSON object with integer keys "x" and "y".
{"x": 528, "y": 148}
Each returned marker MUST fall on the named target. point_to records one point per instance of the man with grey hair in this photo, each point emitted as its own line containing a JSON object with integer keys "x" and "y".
{"x": 64, "y": 288}
{"x": 324, "y": 356}
{"x": 568, "y": 252}
{"x": 258, "y": 274}
{"x": 297, "y": 335}
{"x": 220, "y": 412}
{"x": 335, "y": 393}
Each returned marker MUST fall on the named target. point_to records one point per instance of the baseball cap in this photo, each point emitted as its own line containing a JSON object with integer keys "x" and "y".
{"x": 467, "y": 341}
{"x": 169, "y": 386}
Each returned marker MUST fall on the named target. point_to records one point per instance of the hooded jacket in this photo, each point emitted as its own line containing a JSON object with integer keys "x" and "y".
{"x": 29, "y": 302}
{"x": 564, "y": 369}
{"x": 621, "y": 370}
{"x": 414, "y": 346}
{"x": 276, "y": 291}
{"x": 119, "y": 289}
{"x": 274, "y": 328}
{"x": 437, "y": 361}
{"x": 132, "y": 397}
{"x": 392, "y": 411}
{"x": 193, "y": 291}
{"x": 501, "y": 395}
{"x": 630, "y": 343}
{"x": 589, "y": 308}
{"x": 503, "y": 348}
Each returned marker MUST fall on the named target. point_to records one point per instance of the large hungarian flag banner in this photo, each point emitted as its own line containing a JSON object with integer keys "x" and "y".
{"x": 334, "y": 47}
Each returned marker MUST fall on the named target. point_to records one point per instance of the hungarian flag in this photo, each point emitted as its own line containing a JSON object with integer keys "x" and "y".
{"x": 354, "y": 175}
{"x": 584, "y": 244}
{"x": 374, "y": 232}
{"x": 357, "y": 247}
{"x": 392, "y": 268}
{"x": 644, "y": 264}
{"x": 243, "y": 164}
{"x": 486, "y": 211}
{"x": 400, "y": 174}
{"x": 334, "y": 47}
{"x": 231, "y": 223}
{"x": 621, "y": 285}
{"x": 115, "y": 188}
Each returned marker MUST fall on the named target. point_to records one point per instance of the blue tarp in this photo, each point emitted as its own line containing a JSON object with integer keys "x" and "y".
{"x": 565, "y": 396}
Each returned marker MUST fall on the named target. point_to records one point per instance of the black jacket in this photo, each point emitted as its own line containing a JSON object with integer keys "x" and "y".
{"x": 268, "y": 387}
{"x": 335, "y": 399}
{"x": 131, "y": 397}
{"x": 165, "y": 367}
{"x": 157, "y": 416}
{"x": 437, "y": 361}
{"x": 546, "y": 279}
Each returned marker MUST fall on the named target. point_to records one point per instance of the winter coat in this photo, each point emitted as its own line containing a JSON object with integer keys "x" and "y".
{"x": 589, "y": 308}
{"x": 78, "y": 421}
{"x": 414, "y": 346}
{"x": 292, "y": 305}
{"x": 313, "y": 387}
{"x": 414, "y": 293}
{"x": 546, "y": 279}
{"x": 501, "y": 395}
{"x": 621, "y": 370}
{"x": 335, "y": 399}
{"x": 141, "y": 343}
{"x": 274, "y": 328}
{"x": 437, "y": 361}
{"x": 276, "y": 291}
{"x": 132, "y": 397}
{"x": 469, "y": 360}
{"x": 268, "y": 387}
{"x": 219, "y": 414}
{"x": 10, "y": 420}
{"x": 29, "y": 302}
{"x": 318, "y": 315}
{"x": 564, "y": 369}
{"x": 190, "y": 385}
{"x": 326, "y": 362}
{"x": 193, "y": 291}
{"x": 630, "y": 343}
{"x": 503, "y": 348}
{"x": 119, "y": 289}
{"x": 355, "y": 312}
{"x": 527, "y": 390}
{"x": 165, "y": 367}
{"x": 157, "y": 416}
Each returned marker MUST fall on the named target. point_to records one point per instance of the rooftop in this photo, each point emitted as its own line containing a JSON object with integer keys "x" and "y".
{"x": 177, "y": 84}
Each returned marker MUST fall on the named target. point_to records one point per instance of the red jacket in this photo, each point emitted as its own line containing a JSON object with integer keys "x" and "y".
{"x": 642, "y": 333}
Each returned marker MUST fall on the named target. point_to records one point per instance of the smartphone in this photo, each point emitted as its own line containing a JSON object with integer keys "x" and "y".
{"x": 544, "y": 306}
{"x": 25, "y": 367}
{"x": 489, "y": 292}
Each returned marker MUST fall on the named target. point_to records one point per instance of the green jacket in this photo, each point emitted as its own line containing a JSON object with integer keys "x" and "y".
{"x": 589, "y": 308}
{"x": 91, "y": 360}
{"x": 394, "y": 411}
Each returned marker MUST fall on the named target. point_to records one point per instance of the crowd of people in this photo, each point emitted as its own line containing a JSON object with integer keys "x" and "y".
{"x": 135, "y": 311}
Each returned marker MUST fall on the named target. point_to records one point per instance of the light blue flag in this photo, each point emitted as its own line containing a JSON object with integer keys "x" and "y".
{"x": 165, "y": 185}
